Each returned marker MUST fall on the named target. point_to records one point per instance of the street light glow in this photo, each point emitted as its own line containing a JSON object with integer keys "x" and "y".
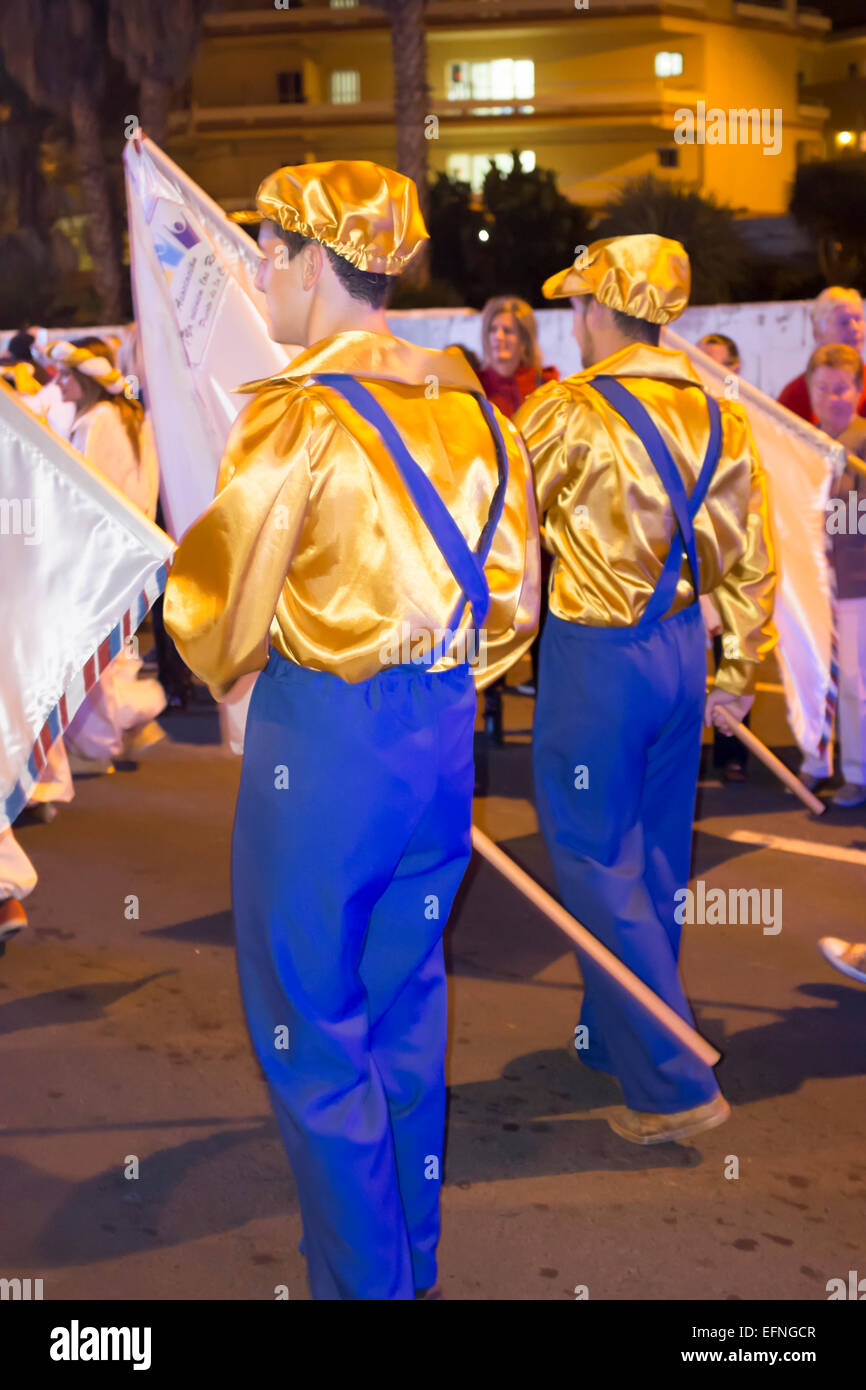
{"x": 483, "y": 235}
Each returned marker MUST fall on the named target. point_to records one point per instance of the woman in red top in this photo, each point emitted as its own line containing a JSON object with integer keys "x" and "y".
{"x": 510, "y": 372}
{"x": 511, "y": 362}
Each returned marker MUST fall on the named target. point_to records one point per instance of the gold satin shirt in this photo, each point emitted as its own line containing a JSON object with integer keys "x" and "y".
{"x": 608, "y": 521}
{"x": 314, "y": 542}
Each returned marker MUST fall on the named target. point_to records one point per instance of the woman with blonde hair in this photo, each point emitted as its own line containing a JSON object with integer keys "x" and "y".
{"x": 106, "y": 427}
{"x": 511, "y": 359}
{"x": 511, "y": 370}
{"x": 119, "y": 713}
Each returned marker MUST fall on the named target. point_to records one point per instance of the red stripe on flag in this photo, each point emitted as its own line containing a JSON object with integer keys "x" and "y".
{"x": 64, "y": 712}
{"x": 89, "y": 673}
{"x": 38, "y": 757}
{"x": 45, "y": 739}
{"x": 104, "y": 654}
{"x": 127, "y": 625}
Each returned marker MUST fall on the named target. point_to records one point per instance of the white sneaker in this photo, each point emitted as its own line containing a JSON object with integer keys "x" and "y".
{"x": 851, "y": 794}
{"x": 847, "y": 956}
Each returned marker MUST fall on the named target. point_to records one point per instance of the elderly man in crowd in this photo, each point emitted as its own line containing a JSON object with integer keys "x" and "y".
{"x": 837, "y": 317}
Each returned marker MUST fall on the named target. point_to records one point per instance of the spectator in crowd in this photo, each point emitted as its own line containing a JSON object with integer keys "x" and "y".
{"x": 729, "y": 756}
{"x": 511, "y": 366}
{"x": 723, "y": 350}
{"x": 119, "y": 713}
{"x": 834, "y": 375}
{"x": 18, "y": 368}
{"x": 837, "y": 317}
{"x": 511, "y": 370}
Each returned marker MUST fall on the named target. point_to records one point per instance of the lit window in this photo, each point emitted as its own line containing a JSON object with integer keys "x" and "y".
{"x": 343, "y": 4}
{"x": 345, "y": 86}
{"x": 503, "y": 79}
{"x": 474, "y": 168}
{"x": 669, "y": 64}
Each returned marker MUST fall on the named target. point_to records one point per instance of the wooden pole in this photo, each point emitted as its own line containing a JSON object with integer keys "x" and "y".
{"x": 604, "y": 958}
{"x": 760, "y": 750}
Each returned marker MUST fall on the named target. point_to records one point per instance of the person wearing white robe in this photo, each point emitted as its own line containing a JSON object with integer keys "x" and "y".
{"x": 118, "y": 714}
{"x": 17, "y": 879}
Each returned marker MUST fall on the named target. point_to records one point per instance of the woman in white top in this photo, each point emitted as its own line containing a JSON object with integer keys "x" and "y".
{"x": 117, "y": 715}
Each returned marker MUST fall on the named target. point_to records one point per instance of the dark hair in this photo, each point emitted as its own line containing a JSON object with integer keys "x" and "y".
{"x": 639, "y": 330}
{"x": 20, "y": 345}
{"x": 366, "y": 285}
{"x": 721, "y": 340}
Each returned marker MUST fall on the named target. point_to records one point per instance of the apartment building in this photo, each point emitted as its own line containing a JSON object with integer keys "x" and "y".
{"x": 598, "y": 90}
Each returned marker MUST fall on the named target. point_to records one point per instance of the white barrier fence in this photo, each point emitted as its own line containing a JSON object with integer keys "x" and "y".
{"x": 774, "y": 338}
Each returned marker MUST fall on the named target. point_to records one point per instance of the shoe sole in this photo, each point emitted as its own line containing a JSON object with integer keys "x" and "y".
{"x": 672, "y": 1135}
{"x": 840, "y": 965}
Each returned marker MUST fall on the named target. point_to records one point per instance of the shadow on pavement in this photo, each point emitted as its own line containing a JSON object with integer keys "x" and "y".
{"x": 215, "y": 929}
{"x": 82, "y": 1004}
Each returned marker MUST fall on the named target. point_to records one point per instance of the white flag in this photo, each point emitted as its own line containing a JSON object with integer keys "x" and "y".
{"x": 799, "y": 461}
{"x": 81, "y": 567}
{"x": 200, "y": 321}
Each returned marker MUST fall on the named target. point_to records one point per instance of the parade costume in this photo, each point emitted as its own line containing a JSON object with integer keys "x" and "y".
{"x": 369, "y": 529}
{"x": 119, "y": 712}
{"x": 637, "y": 471}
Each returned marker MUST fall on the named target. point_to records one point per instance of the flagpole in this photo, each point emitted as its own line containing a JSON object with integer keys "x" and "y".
{"x": 776, "y": 766}
{"x": 641, "y": 993}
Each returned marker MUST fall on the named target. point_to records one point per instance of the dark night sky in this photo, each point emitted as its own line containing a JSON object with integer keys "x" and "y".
{"x": 845, "y": 14}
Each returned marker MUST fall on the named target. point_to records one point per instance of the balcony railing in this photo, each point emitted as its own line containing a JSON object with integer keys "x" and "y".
{"x": 615, "y": 97}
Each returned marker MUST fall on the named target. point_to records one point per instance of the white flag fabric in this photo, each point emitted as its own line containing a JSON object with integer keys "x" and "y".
{"x": 80, "y": 569}
{"x": 201, "y": 324}
{"x": 800, "y": 462}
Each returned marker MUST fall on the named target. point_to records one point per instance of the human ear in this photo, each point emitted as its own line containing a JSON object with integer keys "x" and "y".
{"x": 311, "y": 267}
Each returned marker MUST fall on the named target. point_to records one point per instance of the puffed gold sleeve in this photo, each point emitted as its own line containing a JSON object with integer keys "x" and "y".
{"x": 543, "y": 420}
{"x": 513, "y": 570}
{"x": 745, "y": 596}
{"x": 230, "y": 566}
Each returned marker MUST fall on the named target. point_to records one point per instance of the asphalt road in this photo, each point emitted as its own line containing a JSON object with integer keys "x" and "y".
{"x": 123, "y": 1037}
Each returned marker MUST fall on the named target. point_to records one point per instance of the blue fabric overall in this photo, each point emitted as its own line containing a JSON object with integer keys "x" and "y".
{"x": 616, "y": 748}
{"x": 351, "y": 836}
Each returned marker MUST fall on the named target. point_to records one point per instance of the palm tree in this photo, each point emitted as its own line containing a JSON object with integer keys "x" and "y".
{"x": 708, "y": 231}
{"x": 55, "y": 51}
{"x": 157, "y": 41}
{"x": 411, "y": 107}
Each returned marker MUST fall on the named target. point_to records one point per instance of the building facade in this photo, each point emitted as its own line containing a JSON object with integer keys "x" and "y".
{"x": 717, "y": 96}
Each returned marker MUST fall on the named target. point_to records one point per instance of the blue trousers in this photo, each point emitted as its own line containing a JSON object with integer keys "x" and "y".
{"x": 626, "y": 706}
{"x": 351, "y": 836}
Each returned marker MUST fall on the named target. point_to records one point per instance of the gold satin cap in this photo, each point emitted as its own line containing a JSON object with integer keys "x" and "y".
{"x": 646, "y": 276}
{"x": 368, "y": 214}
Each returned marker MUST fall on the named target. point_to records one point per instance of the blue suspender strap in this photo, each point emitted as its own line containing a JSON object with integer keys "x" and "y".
{"x": 685, "y": 507}
{"x": 466, "y": 566}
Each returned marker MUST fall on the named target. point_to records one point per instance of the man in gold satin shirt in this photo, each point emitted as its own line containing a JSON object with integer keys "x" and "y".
{"x": 373, "y": 546}
{"x": 649, "y": 493}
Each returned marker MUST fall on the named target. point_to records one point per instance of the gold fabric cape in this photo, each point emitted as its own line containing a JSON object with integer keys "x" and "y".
{"x": 313, "y": 543}
{"x": 608, "y": 521}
